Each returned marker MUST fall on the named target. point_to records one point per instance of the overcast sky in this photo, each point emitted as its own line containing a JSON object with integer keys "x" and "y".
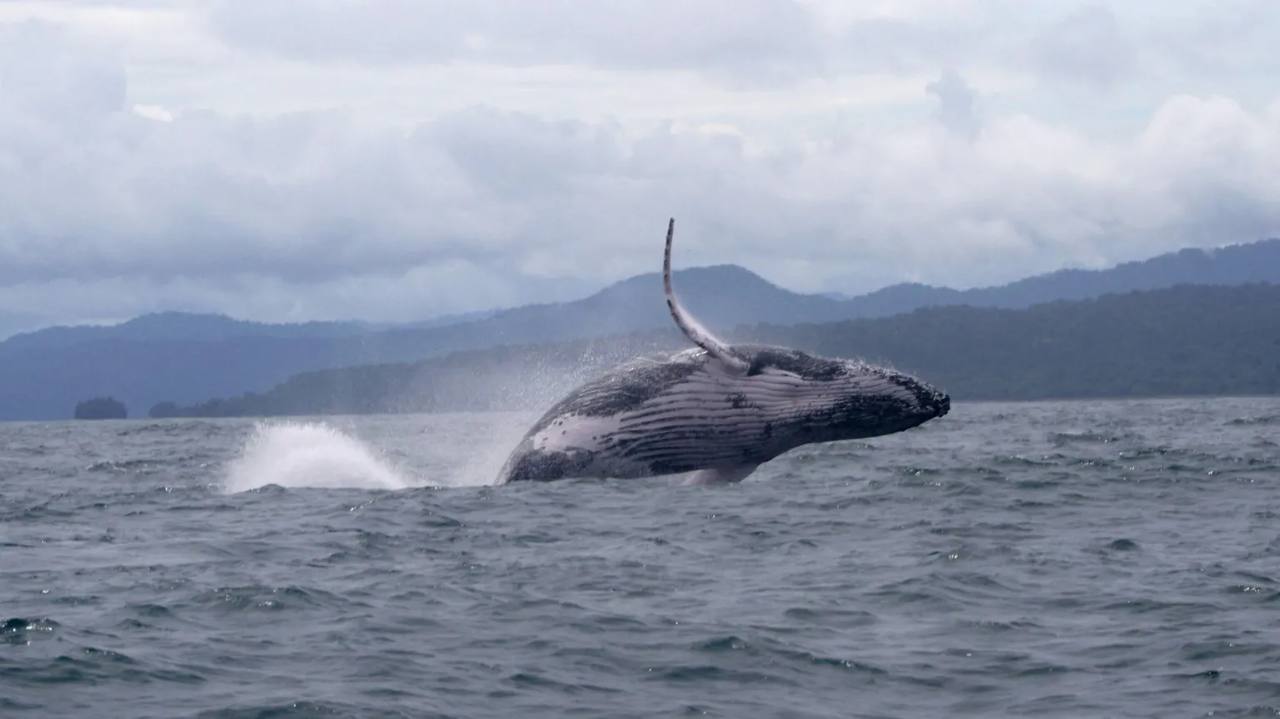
{"x": 396, "y": 159}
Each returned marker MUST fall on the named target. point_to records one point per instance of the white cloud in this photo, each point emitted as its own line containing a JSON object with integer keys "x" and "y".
{"x": 957, "y": 103}
{"x": 747, "y": 40}
{"x": 153, "y": 112}
{"x": 72, "y": 82}
{"x": 1088, "y": 45}
{"x": 340, "y": 170}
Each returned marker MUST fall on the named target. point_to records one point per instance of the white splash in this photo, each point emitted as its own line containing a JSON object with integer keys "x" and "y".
{"x": 308, "y": 454}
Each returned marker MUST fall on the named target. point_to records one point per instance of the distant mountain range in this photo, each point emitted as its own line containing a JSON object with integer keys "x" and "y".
{"x": 1231, "y": 265}
{"x": 177, "y": 327}
{"x": 1185, "y": 340}
{"x": 186, "y": 358}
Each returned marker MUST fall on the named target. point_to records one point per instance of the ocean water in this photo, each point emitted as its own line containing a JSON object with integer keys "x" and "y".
{"x": 1072, "y": 559}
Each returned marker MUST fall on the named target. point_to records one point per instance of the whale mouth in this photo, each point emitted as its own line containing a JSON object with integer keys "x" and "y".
{"x": 932, "y": 402}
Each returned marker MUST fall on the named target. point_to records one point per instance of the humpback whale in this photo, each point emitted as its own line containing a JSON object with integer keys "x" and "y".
{"x": 716, "y": 409}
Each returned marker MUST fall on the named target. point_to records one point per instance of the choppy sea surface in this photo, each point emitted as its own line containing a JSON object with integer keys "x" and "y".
{"x": 1065, "y": 559}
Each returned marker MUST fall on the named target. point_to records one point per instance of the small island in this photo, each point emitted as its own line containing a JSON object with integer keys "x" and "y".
{"x": 163, "y": 410}
{"x": 101, "y": 408}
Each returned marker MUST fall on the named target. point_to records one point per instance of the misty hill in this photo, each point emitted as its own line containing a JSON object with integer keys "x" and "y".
{"x": 727, "y": 295}
{"x": 177, "y": 326}
{"x": 1186, "y": 340}
{"x": 1231, "y": 265}
{"x": 721, "y": 295}
{"x": 186, "y": 358}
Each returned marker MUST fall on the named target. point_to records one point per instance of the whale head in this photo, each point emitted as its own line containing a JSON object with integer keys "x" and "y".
{"x": 822, "y": 399}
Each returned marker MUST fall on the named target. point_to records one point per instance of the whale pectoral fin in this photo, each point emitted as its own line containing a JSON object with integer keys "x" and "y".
{"x": 721, "y": 475}
{"x": 689, "y": 324}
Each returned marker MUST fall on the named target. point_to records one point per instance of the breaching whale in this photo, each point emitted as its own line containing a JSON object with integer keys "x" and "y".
{"x": 718, "y": 409}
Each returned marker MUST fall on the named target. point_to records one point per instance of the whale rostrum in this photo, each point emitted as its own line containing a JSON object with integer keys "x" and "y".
{"x": 716, "y": 409}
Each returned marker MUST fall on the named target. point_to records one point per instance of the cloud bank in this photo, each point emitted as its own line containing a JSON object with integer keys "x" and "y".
{"x": 120, "y": 194}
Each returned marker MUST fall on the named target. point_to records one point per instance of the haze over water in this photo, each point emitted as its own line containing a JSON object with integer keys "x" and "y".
{"x": 1066, "y": 559}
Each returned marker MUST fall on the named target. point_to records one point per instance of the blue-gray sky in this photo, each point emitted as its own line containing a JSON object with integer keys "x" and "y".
{"x": 396, "y": 159}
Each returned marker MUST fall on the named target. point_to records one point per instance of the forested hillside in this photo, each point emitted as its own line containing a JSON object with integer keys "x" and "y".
{"x": 186, "y": 358}
{"x": 1187, "y": 340}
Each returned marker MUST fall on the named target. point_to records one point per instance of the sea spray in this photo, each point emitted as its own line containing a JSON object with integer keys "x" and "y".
{"x": 488, "y": 438}
{"x": 308, "y": 454}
